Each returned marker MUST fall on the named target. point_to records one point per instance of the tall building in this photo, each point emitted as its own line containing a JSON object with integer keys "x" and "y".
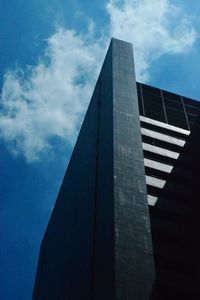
{"x": 126, "y": 221}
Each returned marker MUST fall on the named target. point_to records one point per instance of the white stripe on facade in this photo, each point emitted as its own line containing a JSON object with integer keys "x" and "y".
{"x": 162, "y": 137}
{"x": 156, "y": 182}
{"x": 152, "y": 200}
{"x": 157, "y": 165}
{"x": 164, "y": 125}
{"x": 161, "y": 151}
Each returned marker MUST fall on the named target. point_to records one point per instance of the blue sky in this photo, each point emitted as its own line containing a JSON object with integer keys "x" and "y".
{"x": 50, "y": 55}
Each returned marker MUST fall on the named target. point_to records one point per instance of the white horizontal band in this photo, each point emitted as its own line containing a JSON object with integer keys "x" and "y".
{"x": 164, "y": 125}
{"x": 152, "y": 200}
{"x": 161, "y": 151}
{"x": 157, "y": 165}
{"x": 156, "y": 182}
{"x": 162, "y": 137}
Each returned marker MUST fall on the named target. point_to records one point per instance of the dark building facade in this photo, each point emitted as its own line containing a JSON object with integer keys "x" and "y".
{"x": 170, "y": 138}
{"x": 125, "y": 224}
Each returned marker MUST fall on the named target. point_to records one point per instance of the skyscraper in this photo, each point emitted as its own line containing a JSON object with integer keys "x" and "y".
{"x": 125, "y": 223}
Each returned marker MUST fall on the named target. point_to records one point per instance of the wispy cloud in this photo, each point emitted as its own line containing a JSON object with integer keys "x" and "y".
{"x": 155, "y": 28}
{"x": 48, "y": 100}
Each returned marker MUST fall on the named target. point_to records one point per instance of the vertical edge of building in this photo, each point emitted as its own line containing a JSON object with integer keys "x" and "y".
{"x": 98, "y": 241}
{"x": 133, "y": 245}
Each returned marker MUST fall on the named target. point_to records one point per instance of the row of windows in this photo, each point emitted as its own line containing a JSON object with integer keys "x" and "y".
{"x": 167, "y": 107}
{"x": 167, "y": 95}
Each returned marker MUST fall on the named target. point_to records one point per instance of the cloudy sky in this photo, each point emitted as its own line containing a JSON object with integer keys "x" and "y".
{"x": 51, "y": 52}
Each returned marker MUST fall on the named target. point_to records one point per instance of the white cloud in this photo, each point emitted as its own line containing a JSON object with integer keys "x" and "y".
{"x": 155, "y": 28}
{"x": 48, "y": 100}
